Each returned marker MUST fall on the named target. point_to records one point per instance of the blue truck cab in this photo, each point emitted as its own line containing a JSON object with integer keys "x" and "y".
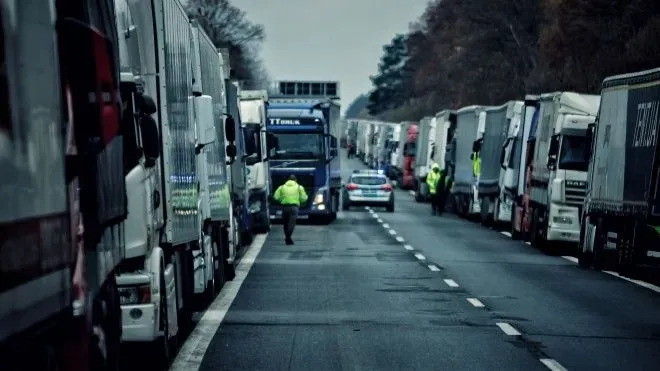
{"x": 302, "y": 132}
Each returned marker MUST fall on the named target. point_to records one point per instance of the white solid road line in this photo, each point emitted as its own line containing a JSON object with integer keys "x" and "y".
{"x": 420, "y": 256}
{"x": 408, "y": 247}
{"x": 475, "y": 302}
{"x": 508, "y": 329}
{"x": 192, "y": 352}
{"x": 508, "y": 234}
{"x": 399, "y": 239}
{"x": 451, "y": 283}
{"x": 386, "y": 226}
{"x": 636, "y": 282}
{"x": 571, "y": 259}
{"x": 434, "y": 268}
{"x": 552, "y": 364}
{"x": 392, "y": 232}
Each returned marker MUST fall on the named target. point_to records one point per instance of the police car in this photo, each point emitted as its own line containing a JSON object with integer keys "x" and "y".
{"x": 368, "y": 188}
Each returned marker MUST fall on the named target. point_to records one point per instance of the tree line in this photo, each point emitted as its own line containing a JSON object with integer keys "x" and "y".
{"x": 487, "y": 52}
{"x": 228, "y": 27}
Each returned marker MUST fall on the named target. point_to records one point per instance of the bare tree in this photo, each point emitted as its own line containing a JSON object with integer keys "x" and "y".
{"x": 228, "y": 27}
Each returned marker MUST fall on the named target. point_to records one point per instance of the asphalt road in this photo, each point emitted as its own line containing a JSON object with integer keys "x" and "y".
{"x": 410, "y": 291}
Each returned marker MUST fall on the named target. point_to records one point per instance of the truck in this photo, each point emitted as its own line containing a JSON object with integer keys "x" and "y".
{"x": 470, "y": 122}
{"x": 559, "y": 169}
{"x": 620, "y": 226}
{"x": 253, "y": 105}
{"x": 522, "y": 153}
{"x": 303, "y": 127}
{"x": 488, "y": 148}
{"x": 403, "y": 158}
{"x": 425, "y": 137}
{"x": 177, "y": 229}
{"x": 64, "y": 198}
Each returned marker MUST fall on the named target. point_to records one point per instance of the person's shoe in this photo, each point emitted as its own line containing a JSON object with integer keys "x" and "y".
{"x": 288, "y": 241}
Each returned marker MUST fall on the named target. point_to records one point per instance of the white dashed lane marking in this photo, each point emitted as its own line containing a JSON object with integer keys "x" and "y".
{"x": 508, "y": 329}
{"x": 552, "y": 364}
{"x": 571, "y": 259}
{"x": 408, "y": 247}
{"x": 508, "y": 234}
{"x": 412, "y": 193}
{"x": 475, "y": 302}
{"x": 399, "y": 239}
{"x": 451, "y": 283}
{"x": 386, "y": 225}
{"x": 420, "y": 256}
{"x": 380, "y": 220}
{"x": 434, "y": 268}
{"x": 392, "y": 232}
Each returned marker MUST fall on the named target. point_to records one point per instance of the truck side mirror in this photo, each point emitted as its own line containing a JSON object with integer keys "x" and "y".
{"x": 591, "y": 131}
{"x": 230, "y": 129}
{"x": 149, "y": 131}
{"x": 553, "y": 152}
{"x": 230, "y": 151}
{"x": 148, "y": 105}
{"x": 502, "y": 156}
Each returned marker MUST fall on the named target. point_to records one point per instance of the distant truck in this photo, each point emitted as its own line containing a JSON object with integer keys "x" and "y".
{"x": 509, "y": 163}
{"x": 469, "y": 120}
{"x": 559, "y": 168}
{"x": 621, "y": 217}
{"x": 524, "y": 153}
{"x": 302, "y": 135}
{"x": 423, "y": 161}
{"x": 253, "y": 105}
{"x": 490, "y": 149}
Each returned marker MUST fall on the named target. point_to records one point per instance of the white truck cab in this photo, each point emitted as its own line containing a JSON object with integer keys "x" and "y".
{"x": 508, "y": 182}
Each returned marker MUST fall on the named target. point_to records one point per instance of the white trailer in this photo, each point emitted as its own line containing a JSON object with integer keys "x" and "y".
{"x": 508, "y": 180}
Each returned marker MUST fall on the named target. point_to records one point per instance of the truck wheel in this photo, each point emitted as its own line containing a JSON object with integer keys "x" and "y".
{"x": 345, "y": 205}
{"x": 162, "y": 347}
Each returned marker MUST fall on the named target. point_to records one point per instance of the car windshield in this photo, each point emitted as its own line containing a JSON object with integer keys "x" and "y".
{"x": 296, "y": 145}
{"x": 368, "y": 180}
{"x": 571, "y": 155}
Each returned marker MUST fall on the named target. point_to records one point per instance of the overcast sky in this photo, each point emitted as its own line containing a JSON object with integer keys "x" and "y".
{"x": 329, "y": 39}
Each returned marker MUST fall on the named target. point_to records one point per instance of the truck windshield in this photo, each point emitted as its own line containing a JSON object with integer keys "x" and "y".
{"x": 571, "y": 155}
{"x": 296, "y": 146}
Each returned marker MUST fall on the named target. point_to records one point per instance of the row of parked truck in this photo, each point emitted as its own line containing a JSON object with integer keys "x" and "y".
{"x": 560, "y": 168}
{"x": 134, "y": 170}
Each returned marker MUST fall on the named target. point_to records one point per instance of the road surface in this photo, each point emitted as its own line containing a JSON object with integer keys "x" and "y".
{"x": 410, "y": 291}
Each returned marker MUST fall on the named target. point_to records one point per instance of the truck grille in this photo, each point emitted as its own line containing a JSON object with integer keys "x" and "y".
{"x": 575, "y": 192}
{"x": 305, "y": 180}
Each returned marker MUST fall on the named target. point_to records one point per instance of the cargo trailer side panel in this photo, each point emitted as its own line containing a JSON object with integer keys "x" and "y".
{"x": 465, "y": 135}
{"x": 494, "y": 136}
{"x": 213, "y": 85}
{"x": 179, "y": 127}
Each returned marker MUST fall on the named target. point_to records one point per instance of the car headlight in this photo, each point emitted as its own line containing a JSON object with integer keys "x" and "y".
{"x": 318, "y": 199}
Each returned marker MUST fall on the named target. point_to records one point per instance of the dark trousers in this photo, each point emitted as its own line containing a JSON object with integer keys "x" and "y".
{"x": 289, "y": 216}
{"x": 435, "y": 198}
{"x": 442, "y": 200}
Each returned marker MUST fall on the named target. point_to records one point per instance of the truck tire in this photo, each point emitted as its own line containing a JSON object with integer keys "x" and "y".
{"x": 162, "y": 348}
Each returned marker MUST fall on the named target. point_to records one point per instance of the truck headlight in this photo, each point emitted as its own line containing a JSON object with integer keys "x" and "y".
{"x": 133, "y": 295}
{"x": 318, "y": 199}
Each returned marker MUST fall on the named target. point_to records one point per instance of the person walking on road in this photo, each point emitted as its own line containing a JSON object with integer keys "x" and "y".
{"x": 290, "y": 195}
{"x": 432, "y": 179}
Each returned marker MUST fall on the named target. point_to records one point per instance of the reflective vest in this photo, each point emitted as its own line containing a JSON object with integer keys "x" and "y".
{"x": 290, "y": 194}
{"x": 476, "y": 164}
{"x": 432, "y": 180}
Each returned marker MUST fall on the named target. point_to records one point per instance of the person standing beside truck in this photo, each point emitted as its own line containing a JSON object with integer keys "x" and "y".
{"x": 444, "y": 183}
{"x": 290, "y": 195}
{"x": 432, "y": 179}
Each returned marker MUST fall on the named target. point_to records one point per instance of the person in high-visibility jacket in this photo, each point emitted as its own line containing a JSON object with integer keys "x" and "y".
{"x": 476, "y": 164}
{"x": 433, "y": 181}
{"x": 444, "y": 185}
{"x": 290, "y": 195}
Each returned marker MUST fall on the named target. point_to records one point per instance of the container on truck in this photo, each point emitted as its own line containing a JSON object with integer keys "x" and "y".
{"x": 470, "y": 122}
{"x": 559, "y": 168}
{"x": 489, "y": 148}
{"x": 253, "y": 105}
{"x": 621, "y": 217}
{"x": 303, "y": 122}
